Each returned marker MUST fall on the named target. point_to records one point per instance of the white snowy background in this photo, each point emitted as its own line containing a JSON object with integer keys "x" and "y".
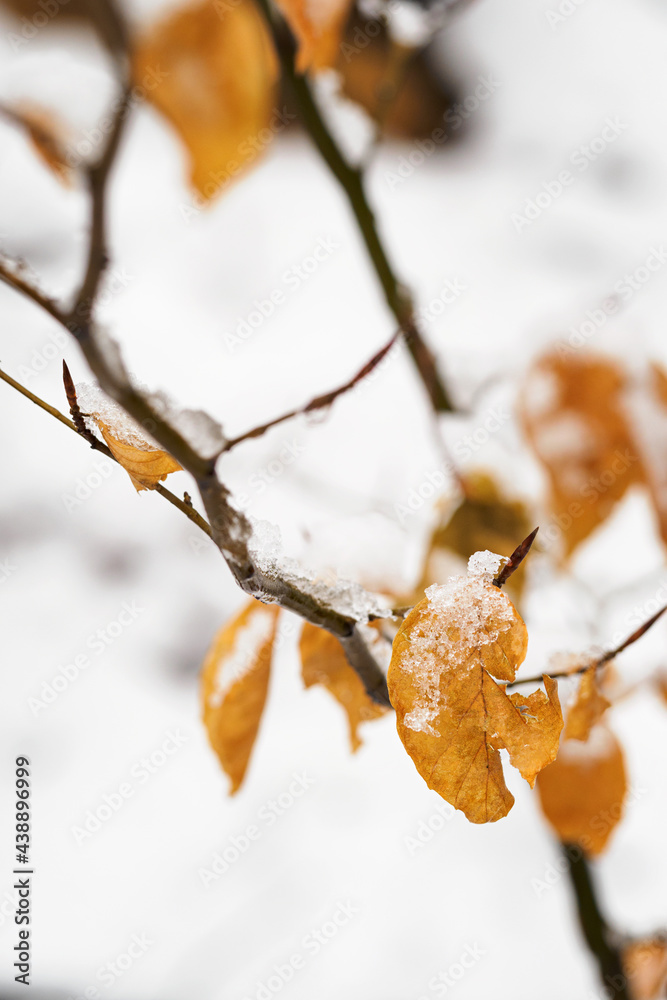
{"x": 178, "y": 286}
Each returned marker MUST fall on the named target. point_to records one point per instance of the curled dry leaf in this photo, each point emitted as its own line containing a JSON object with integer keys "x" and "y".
{"x": 452, "y": 716}
{"x": 234, "y": 684}
{"x": 582, "y": 794}
{"x": 645, "y": 965}
{"x": 215, "y": 84}
{"x": 588, "y": 707}
{"x": 324, "y": 662}
{"x": 146, "y": 466}
{"x": 317, "y": 26}
{"x": 575, "y": 419}
{"x": 485, "y": 519}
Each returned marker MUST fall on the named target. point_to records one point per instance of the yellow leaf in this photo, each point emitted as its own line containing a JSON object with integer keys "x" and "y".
{"x": 452, "y": 716}
{"x": 317, "y": 26}
{"x": 146, "y": 466}
{"x": 588, "y": 708}
{"x": 484, "y": 520}
{"x": 212, "y": 70}
{"x": 645, "y": 965}
{"x": 234, "y": 684}
{"x": 582, "y": 794}
{"x": 324, "y": 662}
{"x": 48, "y": 136}
{"x": 574, "y": 418}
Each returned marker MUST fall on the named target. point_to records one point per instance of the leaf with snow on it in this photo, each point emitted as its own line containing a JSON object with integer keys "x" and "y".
{"x": 452, "y": 716}
{"x": 580, "y": 431}
{"x": 234, "y": 685}
{"x": 317, "y": 26}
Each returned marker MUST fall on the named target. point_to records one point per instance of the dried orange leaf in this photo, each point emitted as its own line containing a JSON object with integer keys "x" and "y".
{"x": 588, "y": 708}
{"x": 215, "y": 85}
{"x": 234, "y": 684}
{"x": 48, "y": 136}
{"x": 645, "y": 965}
{"x": 574, "y": 417}
{"x": 317, "y": 26}
{"x": 582, "y": 794}
{"x": 452, "y": 716}
{"x": 324, "y": 662}
{"x": 146, "y": 466}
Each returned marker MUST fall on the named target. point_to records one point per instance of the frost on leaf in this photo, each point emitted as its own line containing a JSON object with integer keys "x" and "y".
{"x": 452, "y": 716}
{"x": 588, "y": 707}
{"x": 574, "y": 415}
{"x": 317, "y": 26}
{"x": 215, "y": 86}
{"x": 324, "y": 662}
{"x": 582, "y": 794}
{"x": 234, "y": 684}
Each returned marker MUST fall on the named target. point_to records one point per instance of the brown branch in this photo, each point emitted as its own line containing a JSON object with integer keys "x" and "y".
{"x": 602, "y": 942}
{"x": 182, "y": 505}
{"x": 231, "y": 530}
{"x": 351, "y": 180}
{"x": 12, "y": 276}
{"x": 319, "y": 402}
{"x": 598, "y": 661}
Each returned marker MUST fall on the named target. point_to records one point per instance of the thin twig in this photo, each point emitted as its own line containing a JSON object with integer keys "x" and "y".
{"x": 351, "y": 179}
{"x": 182, "y": 505}
{"x": 15, "y": 280}
{"x": 319, "y": 402}
{"x": 598, "y": 661}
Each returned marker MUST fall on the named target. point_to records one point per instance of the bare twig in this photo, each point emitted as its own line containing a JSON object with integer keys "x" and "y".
{"x": 598, "y": 661}
{"x": 515, "y": 560}
{"x": 319, "y": 402}
{"x": 182, "y": 505}
{"x": 13, "y": 277}
{"x": 351, "y": 179}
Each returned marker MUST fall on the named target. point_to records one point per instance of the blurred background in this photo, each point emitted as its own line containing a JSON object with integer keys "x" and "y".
{"x": 363, "y": 847}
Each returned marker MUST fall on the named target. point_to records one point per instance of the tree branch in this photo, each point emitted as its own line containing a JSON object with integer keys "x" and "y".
{"x": 351, "y": 179}
{"x": 319, "y": 402}
{"x": 601, "y": 940}
{"x": 600, "y": 660}
{"x": 96, "y": 445}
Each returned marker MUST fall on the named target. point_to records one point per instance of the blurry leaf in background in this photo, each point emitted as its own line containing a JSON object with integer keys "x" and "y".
{"x": 588, "y": 708}
{"x": 651, "y": 439}
{"x": 324, "y": 662}
{"x": 317, "y": 26}
{"x": 451, "y": 715}
{"x": 146, "y": 467}
{"x": 484, "y": 520}
{"x": 217, "y": 71}
{"x": 48, "y": 136}
{"x": 645, "y": 965}
{"x": 573, "y": 414}
{"x": 582, "y": 793}
{"x": 234, "y": 685}
{"x": 396, "y": 85}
